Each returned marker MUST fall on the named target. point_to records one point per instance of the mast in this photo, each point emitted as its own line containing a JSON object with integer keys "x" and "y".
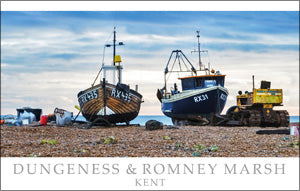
{"x": 199, "y": 52}
{"x": 114, "y": 53}
{"x": 114, "y": 45}
{"x": 198, "y": 36}
{"x": 114, "y": 56}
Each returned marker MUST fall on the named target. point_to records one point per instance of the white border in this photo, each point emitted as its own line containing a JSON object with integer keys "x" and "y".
{"x": 219, "y": 181}
{"x": 200, "y": 179}
{"x": 150, "y": 5}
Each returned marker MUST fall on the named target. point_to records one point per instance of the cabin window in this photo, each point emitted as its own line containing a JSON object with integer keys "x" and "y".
{"x": 243, "y": 101}
{"x": 210, "y": 83}
{"x": 220, "y": 81}
{"x": 198, "y": 82}
{"x": 187, "y": 84}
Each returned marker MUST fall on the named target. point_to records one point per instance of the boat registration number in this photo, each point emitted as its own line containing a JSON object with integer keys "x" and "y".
{"x": 93, "y": 94}
{"x": 121, "y": 95}
{"x": 200, "y": 98}
{"x": 223, "y": 97}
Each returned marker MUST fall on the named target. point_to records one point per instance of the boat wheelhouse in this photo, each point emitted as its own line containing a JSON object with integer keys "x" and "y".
{"x": 199, "y": 82}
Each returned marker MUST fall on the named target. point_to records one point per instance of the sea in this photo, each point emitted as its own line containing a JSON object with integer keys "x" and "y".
{"x": 142, "y": 119}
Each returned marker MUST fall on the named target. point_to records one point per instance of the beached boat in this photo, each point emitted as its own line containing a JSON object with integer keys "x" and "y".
{"x": 203, "y": 96}
{"x": 110, "y": 102}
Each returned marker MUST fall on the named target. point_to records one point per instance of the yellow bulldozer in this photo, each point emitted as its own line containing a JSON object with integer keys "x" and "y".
{"x": 256, "y": 108}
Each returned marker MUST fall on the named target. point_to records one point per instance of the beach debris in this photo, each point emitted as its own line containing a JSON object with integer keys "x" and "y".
{"x": 285, "y": 143}
{"x": 34, "y": 155}
{"x": 51, "y": 117}
{"x": 273, "y": 131}
{"x": 285, "y": 138}
{"x": 166, "y": 137}
{"x": 44, "y": 119}
{"x": 294, "y": 144}
{"x": 59, "y": 111}
{"x": 77, "y": 107}
{"x": 108, "y": 140}
{"x": 172, "y": 127}
{"x": 36, "y": 111}
{"x": 213, "y": 148}
{"x": 7, "y": 119}
{"x": 25, "y": 118}
{"x": 178, "y": 145}
{"x": 196, "y": 154}
{"x": 63, "y": 117}
{"x": 181, "y": 122}
{"x": 49, "y": 142}
{"x": 153, "y": 125}
{"x": 200, "y": 147}
{"x": 84, "y": 153}
{"x": 294, "y": 130}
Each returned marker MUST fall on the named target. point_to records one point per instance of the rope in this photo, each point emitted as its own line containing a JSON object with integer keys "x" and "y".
{"x": 97, "y": 75}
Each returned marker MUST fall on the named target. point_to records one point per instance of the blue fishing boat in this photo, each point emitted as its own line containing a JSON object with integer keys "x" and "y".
{"x": 202, "y": 96}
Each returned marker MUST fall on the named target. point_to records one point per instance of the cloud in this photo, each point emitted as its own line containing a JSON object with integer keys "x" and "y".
{"x": 48, "y": 57}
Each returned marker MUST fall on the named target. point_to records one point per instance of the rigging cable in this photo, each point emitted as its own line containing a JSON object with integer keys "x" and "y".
{"x": 184, "y": 64}
{"x": 173, "y": 66}
{"x": 102, "y": 59}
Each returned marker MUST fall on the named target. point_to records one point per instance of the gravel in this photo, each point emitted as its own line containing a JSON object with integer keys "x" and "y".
{"x": 136, "y": 141}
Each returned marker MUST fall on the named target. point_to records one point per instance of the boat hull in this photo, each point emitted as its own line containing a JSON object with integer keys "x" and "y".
{"x": 115, "y": 104}
{"x": 196, "y": 104}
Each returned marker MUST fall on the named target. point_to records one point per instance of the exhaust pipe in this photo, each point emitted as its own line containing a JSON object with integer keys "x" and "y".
{"x": 253, "y": 83}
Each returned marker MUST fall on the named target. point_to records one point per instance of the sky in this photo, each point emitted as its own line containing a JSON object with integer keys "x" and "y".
{"x": 47, "y": 57}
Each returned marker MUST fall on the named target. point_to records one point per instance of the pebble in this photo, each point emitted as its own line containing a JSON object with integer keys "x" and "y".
{"x": 137, "y": 142}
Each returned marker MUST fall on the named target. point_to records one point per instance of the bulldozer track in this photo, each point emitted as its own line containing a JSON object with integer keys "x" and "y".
{"x": 254, "y": 118}
{"x": 284, "y": 118}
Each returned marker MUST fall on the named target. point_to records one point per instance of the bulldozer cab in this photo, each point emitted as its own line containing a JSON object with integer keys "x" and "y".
{"x": 245, "y": 99}
{"x": 262, "y": 96}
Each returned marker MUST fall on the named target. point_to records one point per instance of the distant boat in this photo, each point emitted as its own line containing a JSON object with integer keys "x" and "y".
{"x": 203, "y": 96}
{"x": 110, "y": 102}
